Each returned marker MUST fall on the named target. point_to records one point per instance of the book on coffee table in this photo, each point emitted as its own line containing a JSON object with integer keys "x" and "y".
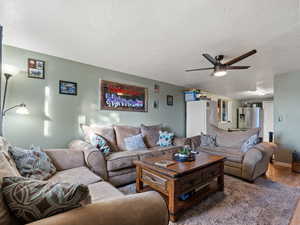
{"x": 164, "y": 163}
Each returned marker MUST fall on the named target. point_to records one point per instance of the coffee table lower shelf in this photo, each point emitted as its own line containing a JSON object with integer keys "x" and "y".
{"x": 196, "y": 198}
{"x": 210, "y": 179}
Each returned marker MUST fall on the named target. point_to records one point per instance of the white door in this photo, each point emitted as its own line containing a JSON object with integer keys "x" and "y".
{"x": 268, "y": 123}
{"x": 195, "y": 118}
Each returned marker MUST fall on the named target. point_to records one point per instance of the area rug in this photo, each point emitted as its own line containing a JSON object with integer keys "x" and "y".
{"x": 261, "y": 203}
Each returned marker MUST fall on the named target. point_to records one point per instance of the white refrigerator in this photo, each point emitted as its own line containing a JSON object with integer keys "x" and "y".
{"x": 196, "y": 118}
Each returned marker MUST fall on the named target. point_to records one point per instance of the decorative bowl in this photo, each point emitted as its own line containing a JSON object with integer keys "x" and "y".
{"x": 183, "y": 158}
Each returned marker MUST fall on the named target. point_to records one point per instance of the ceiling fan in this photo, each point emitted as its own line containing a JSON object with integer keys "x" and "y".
{"x": 220, "y": 69}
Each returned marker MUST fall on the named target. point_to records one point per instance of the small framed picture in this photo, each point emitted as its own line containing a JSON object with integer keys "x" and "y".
{"x": 156, "y": 104}
{"x": 36, "y": 69}
{"x": 67, "y": 87}
{"x": 156, "y": 88}
{"x": 169, "y": 100}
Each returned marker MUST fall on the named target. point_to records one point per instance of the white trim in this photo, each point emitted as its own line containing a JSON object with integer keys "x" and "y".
{"x": 278, "y": 163}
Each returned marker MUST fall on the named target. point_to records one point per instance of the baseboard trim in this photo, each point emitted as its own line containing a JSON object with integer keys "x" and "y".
{"x": 282, "y": 164}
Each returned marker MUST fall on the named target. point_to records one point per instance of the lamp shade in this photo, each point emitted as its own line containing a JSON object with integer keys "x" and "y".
{"x": 22, "y": 110}
{"x": 10, "y": 69}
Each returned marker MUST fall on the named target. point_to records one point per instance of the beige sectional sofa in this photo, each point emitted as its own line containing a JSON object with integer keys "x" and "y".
{"x": 108, "y": 205}
{"x": 247, "y": 165}
{"x": 118, "y": 168}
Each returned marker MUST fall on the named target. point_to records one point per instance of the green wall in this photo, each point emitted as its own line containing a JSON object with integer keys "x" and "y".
{"x": 54, "y": 118}
{"x": 286, "y": 109}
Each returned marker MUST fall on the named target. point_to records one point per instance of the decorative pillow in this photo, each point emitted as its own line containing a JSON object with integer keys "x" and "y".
{"x": 151, "y": 134}
{"x": 208, "y": 140}
{"x": 6, "y": 169}
{"x": 135, "y": 142}
{"x": 165, "y": 139}
{"x": 107, "y": 132}
{"x": 251, "y": 142}
{"x": 32, "y": 163}
{"x": 31, "y": 200}
{"x": 100, "y": 142}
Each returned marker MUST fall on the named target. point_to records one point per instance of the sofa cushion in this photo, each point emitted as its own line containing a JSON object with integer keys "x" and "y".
{"x": 208, "y": 141}
{"x": 121, "y": 172}
{"x": 64, "y": 159}
{"x": 103, "y": 190}
{"x": 232, "y": 139}
{"x": 165, "y": 149}
{"x": 151, "y": 134}
{"x": 107, "y": 132}
{"x": 121, "y": 160}
{"x": 231, "y": 154}
{"x": 33, "y": 163}
{"x": 31, "y": 200}
{"x": 157, "y": 151}
{"x": 135, "y": 142}
{"x": 80, "y": 175}
{"x": 123, "y": 132}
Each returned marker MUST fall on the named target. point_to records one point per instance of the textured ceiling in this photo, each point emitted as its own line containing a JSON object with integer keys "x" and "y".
{"x": 160, "y": 39}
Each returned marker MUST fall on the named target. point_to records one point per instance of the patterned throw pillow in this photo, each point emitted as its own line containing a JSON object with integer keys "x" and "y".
{"x": 165, "y": 139}
{"x": 251, "y": 142}
{"x": 31, "y": 200}
{"x": 207, "y": 140}
{"x": 99, "y": 142}
{"x": 32, "y": 163}
{"x": 135, "y": 142}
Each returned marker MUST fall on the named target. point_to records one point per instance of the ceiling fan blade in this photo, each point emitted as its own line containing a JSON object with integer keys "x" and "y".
{"x": 191, "y": 70}
{"x": 237, "y": 67}
{"x": 210, "y": 58}
{"x": 237, "y": 59}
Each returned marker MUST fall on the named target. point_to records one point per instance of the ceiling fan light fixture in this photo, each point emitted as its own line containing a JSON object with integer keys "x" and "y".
{"x": 220, "y": 73}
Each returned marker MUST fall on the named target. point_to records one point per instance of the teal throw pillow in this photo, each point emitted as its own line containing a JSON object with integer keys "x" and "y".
{"x": 165, "y": 139}
{"x": 100, "y": 142}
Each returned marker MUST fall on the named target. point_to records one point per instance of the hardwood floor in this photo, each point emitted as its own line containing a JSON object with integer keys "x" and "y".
{"x": 284, "y": 175}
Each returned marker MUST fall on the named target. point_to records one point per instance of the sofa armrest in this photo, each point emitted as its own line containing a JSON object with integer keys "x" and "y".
{"x": 93, "y": 157}
{"x": 195, "y": 141}
{"x": 147, "y": 208}
{"x": 266, "y": 148}
{"x": 64, "y": 159}
{"x": 257, "y": 159}
{"x": 180, "y": 141}
{"x": 251, "y": 158}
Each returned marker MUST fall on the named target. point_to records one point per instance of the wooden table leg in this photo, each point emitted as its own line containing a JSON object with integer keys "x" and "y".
{"x": 139, "y": 183}
{"x": 221, "y": 179}
{"x": 172, "y": 201}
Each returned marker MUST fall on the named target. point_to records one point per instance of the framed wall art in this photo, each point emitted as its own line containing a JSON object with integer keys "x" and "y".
{"x": 67, "y": 87}
{"x": 169, "y": 100}
{"x": 123, "y": 97}
{"x": 36, "y": 69}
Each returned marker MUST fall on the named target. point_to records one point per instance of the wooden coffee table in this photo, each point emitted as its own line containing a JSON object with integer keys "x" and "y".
{"x": 203, "y": 176}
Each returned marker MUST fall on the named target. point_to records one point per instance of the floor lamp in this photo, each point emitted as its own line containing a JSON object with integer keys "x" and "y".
{"x": 21, "y": 107}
